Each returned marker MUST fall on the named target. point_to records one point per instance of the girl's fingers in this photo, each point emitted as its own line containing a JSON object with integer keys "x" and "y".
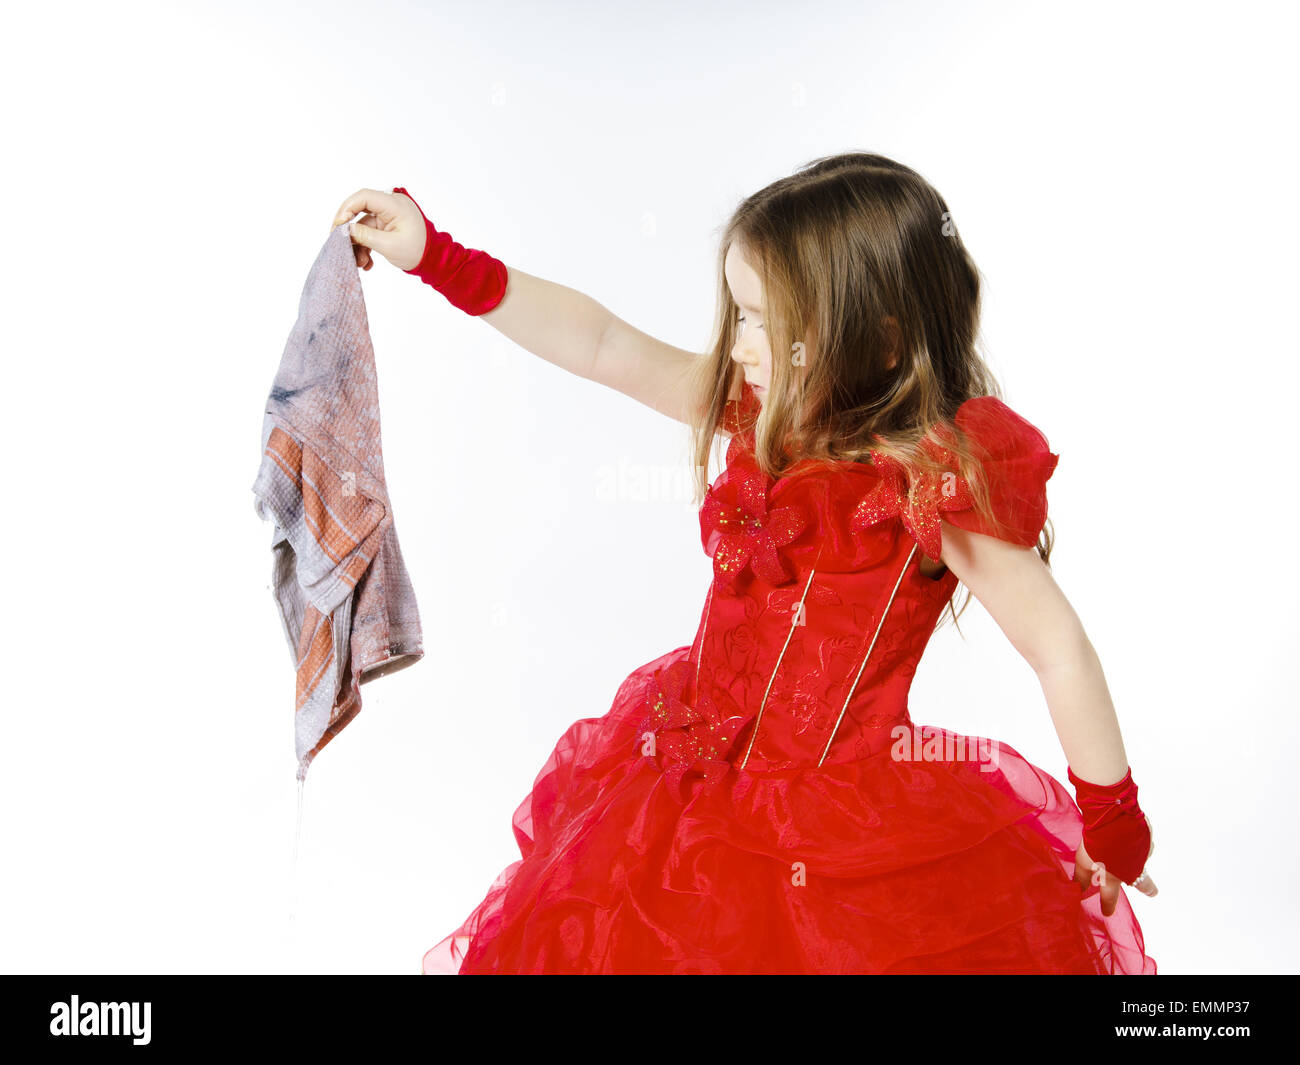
{"x": 347, "y": 210}
{"x": 379, "y": 240}
{"x": 364, "y": 259}
{"x": 1110, "y": 888}
{"x": 381, "y": 228}
{"x": 1108, "y": 884}
{"x": 1082, "y": 876}
{"x": 378, "y": 203}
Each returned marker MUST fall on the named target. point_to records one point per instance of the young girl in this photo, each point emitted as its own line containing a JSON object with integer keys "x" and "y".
{"x": 760, "y": 801}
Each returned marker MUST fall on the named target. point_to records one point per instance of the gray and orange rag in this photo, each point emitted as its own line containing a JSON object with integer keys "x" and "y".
{"x": 338, "y": 578}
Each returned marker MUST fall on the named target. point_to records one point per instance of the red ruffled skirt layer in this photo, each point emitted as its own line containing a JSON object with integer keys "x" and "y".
{"x": 873, "y": 866}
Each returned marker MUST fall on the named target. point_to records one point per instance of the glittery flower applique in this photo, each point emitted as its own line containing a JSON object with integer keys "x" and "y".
{"x": 691, "y": 742}
{"x": 665, "y": 698}
{"x": 919, "y": 504}
{"x": 748, "y": 535}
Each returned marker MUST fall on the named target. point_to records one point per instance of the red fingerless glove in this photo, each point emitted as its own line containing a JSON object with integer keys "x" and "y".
{"x": 471, "y": 280}
{"x": 1115, "y": 830}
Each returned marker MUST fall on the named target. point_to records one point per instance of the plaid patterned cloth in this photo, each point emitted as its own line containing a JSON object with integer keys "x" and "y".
{"x": 338, "y": 578}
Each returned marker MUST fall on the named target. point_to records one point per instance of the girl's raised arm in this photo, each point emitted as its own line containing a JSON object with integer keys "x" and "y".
{"x": 559, "y": 324}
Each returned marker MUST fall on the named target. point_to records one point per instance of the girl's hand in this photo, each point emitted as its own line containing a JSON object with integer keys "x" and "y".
{"x": 1110, "y": 885}
{"x": 392, "y": 226}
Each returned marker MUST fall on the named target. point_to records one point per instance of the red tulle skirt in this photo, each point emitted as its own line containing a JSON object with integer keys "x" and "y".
{"x": 874, "y": 866}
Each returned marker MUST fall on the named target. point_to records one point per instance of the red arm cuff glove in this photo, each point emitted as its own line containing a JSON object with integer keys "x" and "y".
{"x": 1115, "y": 830}
{"x": 471, "y": 280}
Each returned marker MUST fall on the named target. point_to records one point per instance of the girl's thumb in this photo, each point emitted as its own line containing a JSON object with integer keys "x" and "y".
{"x": 369, "y": 237}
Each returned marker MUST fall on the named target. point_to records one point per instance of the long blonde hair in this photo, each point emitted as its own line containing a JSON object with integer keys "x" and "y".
{"x": 841, "y": 245}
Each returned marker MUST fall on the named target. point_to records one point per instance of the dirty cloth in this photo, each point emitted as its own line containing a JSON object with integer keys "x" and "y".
{"x": 338, "y": 578}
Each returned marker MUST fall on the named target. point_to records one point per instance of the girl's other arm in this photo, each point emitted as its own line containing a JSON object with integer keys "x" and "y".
{"x": 1018, "y": 590}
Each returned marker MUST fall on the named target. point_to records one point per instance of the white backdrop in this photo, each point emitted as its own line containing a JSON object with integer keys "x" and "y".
{"x": 1121, "y": 174}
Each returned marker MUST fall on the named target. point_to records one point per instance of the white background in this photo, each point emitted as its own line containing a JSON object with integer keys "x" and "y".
{"x": 1123, "y": 174}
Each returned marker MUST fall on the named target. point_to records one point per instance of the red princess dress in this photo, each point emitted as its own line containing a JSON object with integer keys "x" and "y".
{"x": 760, "y": 801}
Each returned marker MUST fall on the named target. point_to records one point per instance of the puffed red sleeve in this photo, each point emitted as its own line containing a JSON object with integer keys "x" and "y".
{"x": 1017, "y": 464}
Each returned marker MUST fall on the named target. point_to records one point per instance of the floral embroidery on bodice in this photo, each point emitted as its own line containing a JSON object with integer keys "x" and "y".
{"x": 818, "y": 613}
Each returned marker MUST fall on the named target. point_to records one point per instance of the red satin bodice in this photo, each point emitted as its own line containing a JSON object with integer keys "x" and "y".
{"x": 819, "y": 613}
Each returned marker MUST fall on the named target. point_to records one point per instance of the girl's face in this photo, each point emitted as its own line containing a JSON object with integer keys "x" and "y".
{"x": 751, "y": 348}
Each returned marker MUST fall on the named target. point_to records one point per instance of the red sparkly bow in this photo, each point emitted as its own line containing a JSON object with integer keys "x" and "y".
{"x": 747, "y": 534}
{"x": 919, "y": 504}
{"x": 1016, "y": 463}
{"x": 693, "y": 741}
